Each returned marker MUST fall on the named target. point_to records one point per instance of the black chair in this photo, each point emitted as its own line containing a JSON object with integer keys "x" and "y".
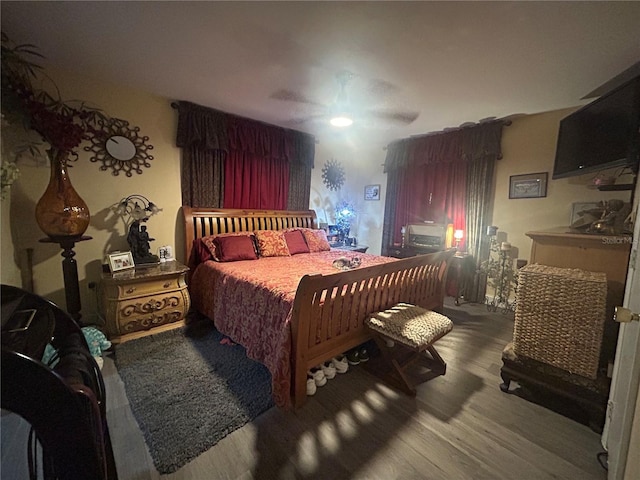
{"x": 65, "y": 403}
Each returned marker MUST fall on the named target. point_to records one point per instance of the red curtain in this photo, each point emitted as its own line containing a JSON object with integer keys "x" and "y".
{"x": 251, "y": 181}
{"x": 432, "y": 182}
{"x": 256, "y": 172}
{"x": 435, "y": 192}
{"x": 236, "y": 162}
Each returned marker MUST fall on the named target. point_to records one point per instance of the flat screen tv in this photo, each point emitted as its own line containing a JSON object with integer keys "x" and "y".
{"x": 603, "y": 134}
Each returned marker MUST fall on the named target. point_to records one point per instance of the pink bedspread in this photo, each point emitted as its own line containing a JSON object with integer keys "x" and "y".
{"x": 251, "y": 302}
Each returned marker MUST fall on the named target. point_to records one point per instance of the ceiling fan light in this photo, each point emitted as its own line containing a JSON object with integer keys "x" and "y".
{"x": 341, "y": 121}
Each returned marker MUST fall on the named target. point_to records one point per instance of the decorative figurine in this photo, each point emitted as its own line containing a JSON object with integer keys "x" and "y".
{"x": 139, "y": 241}
{"x": 137, "y": 210}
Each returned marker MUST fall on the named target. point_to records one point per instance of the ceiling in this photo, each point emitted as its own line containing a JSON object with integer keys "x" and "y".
{"x": 450, "y": 62}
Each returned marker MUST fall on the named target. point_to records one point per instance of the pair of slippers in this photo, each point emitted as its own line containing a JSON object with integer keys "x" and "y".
{"x": 318, "y": 376}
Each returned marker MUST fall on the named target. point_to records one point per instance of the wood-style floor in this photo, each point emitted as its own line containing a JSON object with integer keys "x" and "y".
{"x": 460, "y": 426}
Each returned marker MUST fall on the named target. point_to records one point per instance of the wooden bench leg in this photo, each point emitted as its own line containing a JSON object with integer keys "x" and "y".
{"x": 396, "y": 377}
{"x": 440, "y": 364}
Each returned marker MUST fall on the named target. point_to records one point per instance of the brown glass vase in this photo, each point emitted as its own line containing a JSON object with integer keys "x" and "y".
{"x": 61, "y": 212}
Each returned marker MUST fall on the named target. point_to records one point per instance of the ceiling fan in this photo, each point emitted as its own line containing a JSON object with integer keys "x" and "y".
{"x": 341, "y": 112}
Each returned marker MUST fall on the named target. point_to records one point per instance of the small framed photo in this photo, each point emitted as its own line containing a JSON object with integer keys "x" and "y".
{"x": 120, "y": 261}
{"x": 372, "y": 192}
{"x": 533, "y": 185}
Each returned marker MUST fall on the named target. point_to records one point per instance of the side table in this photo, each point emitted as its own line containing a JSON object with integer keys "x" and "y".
{"x": 460, "y": 275}
{"x": 351, "y": 248}
{"x": 143, "y": 301}
{"x": 398, "y": 251}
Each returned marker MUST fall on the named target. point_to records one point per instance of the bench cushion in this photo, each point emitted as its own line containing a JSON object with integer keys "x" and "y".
{"x": 409, "y": 324}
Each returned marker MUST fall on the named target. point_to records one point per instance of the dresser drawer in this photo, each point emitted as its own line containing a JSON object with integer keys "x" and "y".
{"x": 144, "y": 313}
{"x": 154, "y": 286}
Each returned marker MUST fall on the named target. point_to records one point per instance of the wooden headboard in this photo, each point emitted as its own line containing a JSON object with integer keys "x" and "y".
{"x": 200, "y": 221}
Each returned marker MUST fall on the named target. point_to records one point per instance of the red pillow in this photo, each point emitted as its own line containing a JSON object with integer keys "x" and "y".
{"x": 202, "y": 253}
{"x": 209, "y": 242}
{"x": 316, "y": 239}
{"x": 232, "y": 249}
{"x": 296, "y": 242}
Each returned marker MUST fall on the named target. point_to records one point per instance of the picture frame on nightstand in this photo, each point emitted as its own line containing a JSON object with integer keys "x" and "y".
{"x": 119, "y": 261}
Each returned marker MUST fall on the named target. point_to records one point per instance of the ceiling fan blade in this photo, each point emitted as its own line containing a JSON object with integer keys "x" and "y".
{"x": 291, "y": 96}
{"x": 381, "y": 88}
{"x": 395, "y": 116}
{"x": 303, "y": 120}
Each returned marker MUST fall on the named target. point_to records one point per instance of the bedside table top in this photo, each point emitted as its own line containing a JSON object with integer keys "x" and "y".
{"x": 350, "y": 248}
{"x": 140, "y": 273}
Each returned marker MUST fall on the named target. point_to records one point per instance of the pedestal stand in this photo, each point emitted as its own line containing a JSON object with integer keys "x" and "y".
{"x": 70, "y": 272}
{"x": 499, "y": 270}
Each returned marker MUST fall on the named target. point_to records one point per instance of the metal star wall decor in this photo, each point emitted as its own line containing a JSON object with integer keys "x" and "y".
{"x": 333, "y": 174}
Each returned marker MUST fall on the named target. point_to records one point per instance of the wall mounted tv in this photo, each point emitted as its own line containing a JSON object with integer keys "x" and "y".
{"x": 603, "y": 134}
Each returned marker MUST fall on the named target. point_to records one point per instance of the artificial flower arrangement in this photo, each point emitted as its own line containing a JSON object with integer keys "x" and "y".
{"x": 345, "y": 212}
{"x": 62, "y": 125}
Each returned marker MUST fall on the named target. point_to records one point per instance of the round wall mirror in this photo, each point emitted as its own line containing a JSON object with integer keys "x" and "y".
{"x": 120, "y": 148}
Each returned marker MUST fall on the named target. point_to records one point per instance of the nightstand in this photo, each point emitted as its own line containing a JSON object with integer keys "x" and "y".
{"x": 142, "y": 301}
{"x": 460, "y": 275}
{"x": 351, "y": 248}
{"x": 398, "y": 251}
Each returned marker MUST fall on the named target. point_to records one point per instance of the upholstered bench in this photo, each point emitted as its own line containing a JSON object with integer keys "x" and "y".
{"x": 414, "y": 328}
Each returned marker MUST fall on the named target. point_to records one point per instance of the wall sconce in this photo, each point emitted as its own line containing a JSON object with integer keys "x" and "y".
{"x": 136, "y": 209}
{"x": 457, "y": 235}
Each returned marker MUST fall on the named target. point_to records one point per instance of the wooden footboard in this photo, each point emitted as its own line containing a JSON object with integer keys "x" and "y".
{"x": 329, "y": 310}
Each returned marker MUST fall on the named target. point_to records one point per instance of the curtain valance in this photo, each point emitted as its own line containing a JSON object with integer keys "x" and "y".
{"x": 466, "y": 144}
{"x": 210, "y": 129}
{"x": 201, "y": 127}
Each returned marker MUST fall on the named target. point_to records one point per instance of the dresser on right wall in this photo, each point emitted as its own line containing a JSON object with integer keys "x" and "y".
{"x": 596, "y": 253}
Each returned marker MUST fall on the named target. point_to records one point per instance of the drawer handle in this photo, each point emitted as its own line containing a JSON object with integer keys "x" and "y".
{"x": 167, "y": 285}
{"x": 131, "y": 290}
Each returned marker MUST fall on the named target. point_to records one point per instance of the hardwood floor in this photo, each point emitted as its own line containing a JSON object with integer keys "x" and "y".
{"x": 460, "y": 426}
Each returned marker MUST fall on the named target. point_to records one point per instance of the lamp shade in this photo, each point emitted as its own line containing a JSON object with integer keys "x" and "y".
{"x": 458, "y": 234}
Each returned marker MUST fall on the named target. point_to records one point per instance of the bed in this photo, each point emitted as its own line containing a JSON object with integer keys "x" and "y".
{"x": 292, "y": 313}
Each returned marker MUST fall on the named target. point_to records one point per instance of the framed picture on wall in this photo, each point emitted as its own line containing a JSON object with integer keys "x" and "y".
{"x": 372, "y": 192}
{"x": 532, "y": 185}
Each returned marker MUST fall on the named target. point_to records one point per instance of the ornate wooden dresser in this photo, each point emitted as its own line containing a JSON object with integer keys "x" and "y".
{"x": 143, "y": 301}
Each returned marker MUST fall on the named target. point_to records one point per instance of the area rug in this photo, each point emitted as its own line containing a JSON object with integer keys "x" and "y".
{"x": 188, "y": 388}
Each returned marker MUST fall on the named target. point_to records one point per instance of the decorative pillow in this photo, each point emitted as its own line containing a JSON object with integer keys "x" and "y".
{"x": 201, "y": 251}
{"x": 271, "y": 243}
{"x": 234, "y": 248}
{"x": 316, "y": 239}
{"x": 296, "y": 242}
{"x": 210, "y": 244}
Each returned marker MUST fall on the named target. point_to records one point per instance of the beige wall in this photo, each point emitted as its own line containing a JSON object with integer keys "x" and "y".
{"x": 528, "y": 146}
{"x": 362, "y": 164}
{"x": 100, "y": 190}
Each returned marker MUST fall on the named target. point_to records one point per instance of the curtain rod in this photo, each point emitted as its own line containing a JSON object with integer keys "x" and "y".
{"x": 176, "y": 105}
{"x": 463, "y": 126}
